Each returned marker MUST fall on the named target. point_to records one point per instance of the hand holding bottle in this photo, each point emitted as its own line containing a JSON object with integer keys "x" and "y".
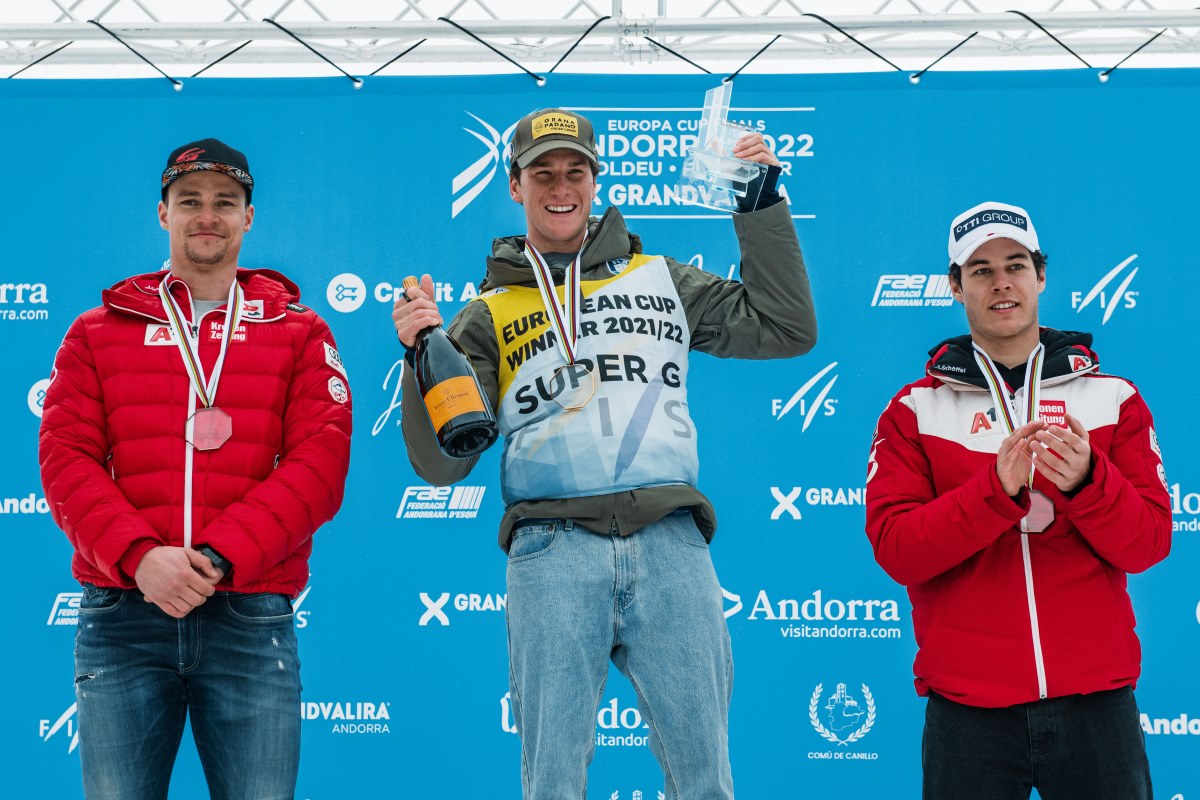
{"x": 415, "y": 312}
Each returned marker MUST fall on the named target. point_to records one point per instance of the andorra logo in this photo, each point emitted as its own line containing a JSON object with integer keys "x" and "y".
{"x": 848, "y": 720}
{"x": 468, "y": 184}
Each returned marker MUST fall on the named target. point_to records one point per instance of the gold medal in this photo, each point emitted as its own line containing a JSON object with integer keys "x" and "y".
{"x": 573, "y": 386}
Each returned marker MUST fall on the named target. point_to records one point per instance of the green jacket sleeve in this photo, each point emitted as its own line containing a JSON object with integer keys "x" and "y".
{"x": 473, "y": 330}
{"x": 769, "y": 313}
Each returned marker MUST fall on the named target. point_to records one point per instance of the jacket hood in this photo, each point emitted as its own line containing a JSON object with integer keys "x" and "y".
{"x": 608, "y": 239}
{"x": 1067, "y": 353}
{"x": 139, "y": 294}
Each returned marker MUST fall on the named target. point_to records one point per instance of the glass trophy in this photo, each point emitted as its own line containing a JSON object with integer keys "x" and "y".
{"x": 711, "y": 176}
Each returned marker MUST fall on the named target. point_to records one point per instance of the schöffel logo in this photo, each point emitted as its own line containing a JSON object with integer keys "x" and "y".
{"x": 820, "y": 405}
{"x": 842, "y": 719}
{"x": 65, "y": 610}
{"x": 351, "y": 717}
{"x": 1109, "y": 299}
{"x": 29, "y": 504}
{"x": 914, "y": 291}
{"x": 435, "y": 608}
{"x": 20, "y": 294}
{"x": 66, "y": 724}
{"x": 37, "y": 396}
{"x": 468, "y": 184}
{"x": 441, "y": 502}
{"x": 346, "y": 292}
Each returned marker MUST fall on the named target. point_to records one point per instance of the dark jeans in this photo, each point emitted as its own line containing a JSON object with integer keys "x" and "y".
{"x": 1079, "y": 747}
{"x": 231, "y": 665}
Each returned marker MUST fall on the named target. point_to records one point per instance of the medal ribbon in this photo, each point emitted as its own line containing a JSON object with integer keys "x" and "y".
{"x": 564, "y": 319}
{"x": 189, "y": 343}
{"x": 1007, "y": 412}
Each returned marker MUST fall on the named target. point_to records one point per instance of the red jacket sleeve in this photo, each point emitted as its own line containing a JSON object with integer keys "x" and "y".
{"x": 1125, "y": 512}
{"x": 916, "y": 533}
{"x": 279, "y": 516}
{"x": 73, "y": 451}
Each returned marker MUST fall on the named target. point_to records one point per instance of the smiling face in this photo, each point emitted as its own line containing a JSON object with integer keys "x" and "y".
{"x": 557, "y": 190}
{"x": 206, "y": 215}
{"x": 999, "y": 290}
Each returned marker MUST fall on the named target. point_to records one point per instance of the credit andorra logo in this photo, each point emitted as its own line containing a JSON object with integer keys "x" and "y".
{"x": 29, "y": 504}
{"x": 37, "y": 396}
{"x": 468, "y": 184}
{"x": 349, "y": 717}
{"x": 616, "y": 726}
{"x": 436, "y": 607}
{"x": 347, "y": 292}
{"x": 913, "y": 291}
{"x": 787, "y": 500}
{"x": 1105, "y": 296}
{"x": 843, "y": 719}
{"x": 16, "y": 299}
{"x": 66, "y": 724}
{"x": 441, "y": 502}
{"x": 807, "y": 405}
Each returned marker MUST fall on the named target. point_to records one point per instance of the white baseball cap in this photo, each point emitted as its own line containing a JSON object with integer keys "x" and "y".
{"x": 990, "y": 220}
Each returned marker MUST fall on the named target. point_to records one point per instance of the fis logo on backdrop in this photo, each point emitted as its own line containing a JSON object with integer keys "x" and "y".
{"x": 787, "y": 501}
{"x": 66, "y": 724}
{"x": 1185, "y": 508}
{"x": 441, "y": 502}
{"x": 349, "y": 717}
{"x": 436, "y": 607}
{"x": 37, "y": 396}
{"x": 842, "y": 719}
{"x": 809, "y": 401}
{"x": 301, "y": 616}
{"x": 493, "y": 158}
{"x": 29, "y": 504}
{"x": 913, "y": 291}
{"x": 1110, "y": 292}
{"x": 16, "y": 299}
{"x": 65, "y": 610}
{"x": 818, "y": 616}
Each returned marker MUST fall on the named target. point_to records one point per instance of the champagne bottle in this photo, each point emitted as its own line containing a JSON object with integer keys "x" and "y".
{"x": 458, "y": 408}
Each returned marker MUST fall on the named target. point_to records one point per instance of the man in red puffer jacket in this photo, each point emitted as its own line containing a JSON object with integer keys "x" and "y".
{"x": 195, "y": 434}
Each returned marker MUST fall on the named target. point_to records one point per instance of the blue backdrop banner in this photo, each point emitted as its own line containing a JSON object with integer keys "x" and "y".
{"x": 401, "y": 626}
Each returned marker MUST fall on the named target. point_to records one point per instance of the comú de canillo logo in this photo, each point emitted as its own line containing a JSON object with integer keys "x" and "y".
{"x": 842, "y": 719}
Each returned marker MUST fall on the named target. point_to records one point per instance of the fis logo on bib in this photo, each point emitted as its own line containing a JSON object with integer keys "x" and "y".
{"x": 470, "y": 183}
{"x": 1110, "y": 292}
{"x": 441, "y": 502}
{"x": 913, "y": 291}
{"x": 809, "y": 401}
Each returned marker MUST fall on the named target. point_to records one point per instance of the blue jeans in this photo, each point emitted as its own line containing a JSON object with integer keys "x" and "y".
{"x": 651, "y": 603}
{"x": 231, "y": 664}
{"x": 1078, "y": 747}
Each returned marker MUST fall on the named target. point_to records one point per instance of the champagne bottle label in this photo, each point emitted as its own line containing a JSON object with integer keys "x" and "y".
{"x": 450, "y": 398}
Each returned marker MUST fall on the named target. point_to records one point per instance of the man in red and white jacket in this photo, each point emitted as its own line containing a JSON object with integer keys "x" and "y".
{"x": 195, "y": 434}
{"x": 1011, "y": 490}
